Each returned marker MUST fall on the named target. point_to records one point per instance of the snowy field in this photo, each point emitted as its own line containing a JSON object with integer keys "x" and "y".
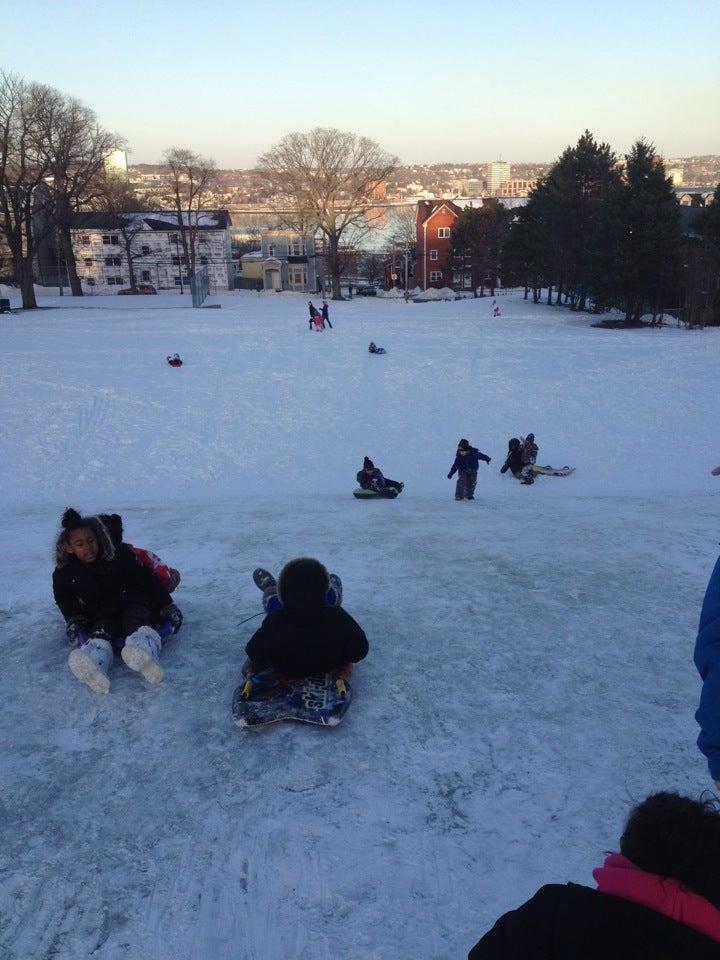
{"x": 530, "y": 673}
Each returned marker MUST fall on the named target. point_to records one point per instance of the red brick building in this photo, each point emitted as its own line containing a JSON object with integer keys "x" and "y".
{"x": 434, "y": 226}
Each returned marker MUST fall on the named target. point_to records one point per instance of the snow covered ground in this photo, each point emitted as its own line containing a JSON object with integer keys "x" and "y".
{"x": 530, "y": 673}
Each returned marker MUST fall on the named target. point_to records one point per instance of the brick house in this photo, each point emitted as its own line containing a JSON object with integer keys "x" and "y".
{"x": 434, "y": 225}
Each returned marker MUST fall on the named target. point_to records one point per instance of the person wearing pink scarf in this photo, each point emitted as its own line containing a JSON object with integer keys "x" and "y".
{"x": 658, "y": 899}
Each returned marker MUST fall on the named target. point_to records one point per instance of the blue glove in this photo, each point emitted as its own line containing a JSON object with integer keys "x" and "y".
{"x": 76, "y": 630}
{"x": 172, "y": 616}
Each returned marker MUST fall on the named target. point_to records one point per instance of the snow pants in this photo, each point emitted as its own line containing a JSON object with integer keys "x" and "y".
{"x": 395, "y": 484}
{"x": 465, "y": 485}
{"x": 117, "y": 628}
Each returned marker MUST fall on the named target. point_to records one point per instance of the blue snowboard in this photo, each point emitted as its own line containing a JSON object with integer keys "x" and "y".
{"x": 266, "y": 697}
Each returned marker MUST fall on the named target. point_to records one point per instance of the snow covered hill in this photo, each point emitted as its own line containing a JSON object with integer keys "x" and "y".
{"x": 530, "y": 673}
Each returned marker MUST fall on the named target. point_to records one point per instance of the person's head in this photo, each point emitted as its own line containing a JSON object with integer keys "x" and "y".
{"x": 368, "y": 465}
{"x": 530, "y": 438}
{"x": 79, "y": 536}
{"x": 513, "y": 443}
{"x": 303, "y": 584}
{"x": 678, "y": 837}
{"x": 463, "y": 446}
{"x": 114, "y": 525}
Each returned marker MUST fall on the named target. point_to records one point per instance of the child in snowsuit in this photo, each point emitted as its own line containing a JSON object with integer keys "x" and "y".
{"x": 370, "y": 478}
{"x": 306, "y": 632}
{"x": 529, "y": 452}
{"x": 313, "y": 313}
{"x": 707, "y": 660}
{"x": 110, "y": 602}
{"x": 467, "y": 461}
{"x": 168, "y": 576}
{"x": 513, "y": 463}
{"x": 325, "y": 314}
{"x": 373, "y": 349}
{"x": 658, "y": 898}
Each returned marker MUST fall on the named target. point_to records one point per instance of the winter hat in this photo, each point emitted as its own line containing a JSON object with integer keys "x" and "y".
{"x": 368, "y": 464}
{"x": 530, "y": 437}
{"x": 463, "y": 445}
{"x": 303, "y": 583}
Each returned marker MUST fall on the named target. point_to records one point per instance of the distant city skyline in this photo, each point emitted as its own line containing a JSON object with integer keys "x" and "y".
{"x": 465, "y": 83}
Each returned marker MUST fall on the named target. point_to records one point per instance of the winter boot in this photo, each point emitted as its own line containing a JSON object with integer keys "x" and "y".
{"x": 262, "y": 579}
{"x": 91, "y": 662}
{"x": 336, "y": 588}
{"x": 142, "y": 651}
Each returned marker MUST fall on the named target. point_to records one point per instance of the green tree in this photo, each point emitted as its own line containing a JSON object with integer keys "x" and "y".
{"x": 478, "y": 239}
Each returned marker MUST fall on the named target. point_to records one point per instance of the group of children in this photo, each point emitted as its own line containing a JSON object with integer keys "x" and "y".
{"x": 319, "y": 319}
{"x": 115, "y": 599}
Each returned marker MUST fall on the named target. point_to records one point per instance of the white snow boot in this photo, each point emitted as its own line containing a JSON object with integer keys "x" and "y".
{"x": 142, "y": 653}
{"x": 91, "y": 662}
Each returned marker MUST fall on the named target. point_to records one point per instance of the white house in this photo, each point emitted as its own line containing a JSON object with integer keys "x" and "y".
{"x": 105, "y": 243}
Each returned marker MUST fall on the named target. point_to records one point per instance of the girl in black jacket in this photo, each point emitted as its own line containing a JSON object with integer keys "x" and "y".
{"x": 110, "y": 601}
{"x": 658, "y": 899}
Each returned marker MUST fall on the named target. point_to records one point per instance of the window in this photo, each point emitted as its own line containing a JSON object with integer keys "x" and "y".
{"x": 435, "y": 276}
{"x": 297, "y": 276}
{"x": 203, "y": 260}
{"x": 85, "y": 240}
{"x": 146, "y": 276}
{"x": 113, "y": 261}
{"x": 433, "y": 254}
{"x": 145, "y": 250}
{"x": 271, "y": 249}
{"x": 113, "y": 281}
{"x": 174, "y": 238}
{"x": 178, "y": 260}
{"x": 111, "y": 238}
{"x": 88, "y": 261}
{"x": 185, "y": 281}
{"x": 91, "y": 281}
{"x": 296, "y": 248}
{"x": 443, "y": 233}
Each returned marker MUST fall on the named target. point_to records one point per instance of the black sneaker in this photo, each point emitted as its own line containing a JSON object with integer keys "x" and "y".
{"x": 262, "y": 579}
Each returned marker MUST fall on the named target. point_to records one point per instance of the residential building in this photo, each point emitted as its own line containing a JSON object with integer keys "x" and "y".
{"x": 434, "y": 225}
{"x": 251, "y": 270}
{"x": 289, "y": 262}
{"x": 105, "y": 243}
{"x": 516, "y": 187}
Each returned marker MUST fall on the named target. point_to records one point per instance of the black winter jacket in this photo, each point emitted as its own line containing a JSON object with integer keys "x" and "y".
{"x": 576, "y": 923}
{"x": 103, "y": 589}
{"x": 514, "y": 462}
{"x": 307, "y": 645}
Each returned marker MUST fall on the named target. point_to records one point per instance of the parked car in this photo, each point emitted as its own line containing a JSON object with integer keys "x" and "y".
{"x": 142, "y": 289}
{"x": 366, "y": 290}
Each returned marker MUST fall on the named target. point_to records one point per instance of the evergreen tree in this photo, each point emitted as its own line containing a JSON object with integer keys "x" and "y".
{"x": 478, "y": 238}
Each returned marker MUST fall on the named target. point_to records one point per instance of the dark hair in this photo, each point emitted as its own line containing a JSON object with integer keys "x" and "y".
{"x": 303, "y": 583}
{"x": 678, "y": 837}
{"x": 368, "y": 464}
{"x": 72, "y": 520}
{"x": 114, "y": 525}
{"x": 513, "y": 442}
{"x": 463, "y": 444}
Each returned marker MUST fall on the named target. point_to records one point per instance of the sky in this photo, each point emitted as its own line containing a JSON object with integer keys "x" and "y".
{"x": 463, "y": 80}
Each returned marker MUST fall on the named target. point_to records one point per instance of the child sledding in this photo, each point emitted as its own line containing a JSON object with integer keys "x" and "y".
{"x": 372, "y": 484}
{"x": 300, "y": 659}
{"x": 520, "y": 461}
{"x": 375, "y": 349}
{"x": 111, "y": 601}
{"x": 174, "y": 360}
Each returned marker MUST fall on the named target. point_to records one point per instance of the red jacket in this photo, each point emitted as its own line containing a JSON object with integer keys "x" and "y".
{"x": 168, "y": 576}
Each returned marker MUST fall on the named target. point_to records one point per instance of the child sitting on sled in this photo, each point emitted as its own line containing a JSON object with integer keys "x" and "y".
{"x": 111, "y": 603}
{"x": 306, "y": 632}
{"x": 370, "y": 478}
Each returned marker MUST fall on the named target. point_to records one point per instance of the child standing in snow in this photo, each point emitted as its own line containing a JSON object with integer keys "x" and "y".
{"x": 370, "y": 478}
{"x": 325, "y": 314}
{"x": 467, "y": 461}
{"x": 110, "y": 602}
{"x": 306, "y": 632}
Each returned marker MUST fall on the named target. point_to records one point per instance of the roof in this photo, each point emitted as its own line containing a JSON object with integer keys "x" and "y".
{"x": 152, "y": 220}
{"x": 428, "y": 208}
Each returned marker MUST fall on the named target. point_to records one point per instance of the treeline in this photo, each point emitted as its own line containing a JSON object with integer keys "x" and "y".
{"x": 53, "y": 164}
{"x": 600, "y": 233}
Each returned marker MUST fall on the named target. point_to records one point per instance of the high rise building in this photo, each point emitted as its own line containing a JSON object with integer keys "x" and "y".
{"x": 498, "y": 174}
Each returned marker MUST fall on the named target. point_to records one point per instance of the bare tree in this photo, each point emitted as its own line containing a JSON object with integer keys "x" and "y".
{"x": 24, "y": 166}
{"x": 192, "y": 179}
{"x": 326, "y": 179}
{"x": 76, "y": 147}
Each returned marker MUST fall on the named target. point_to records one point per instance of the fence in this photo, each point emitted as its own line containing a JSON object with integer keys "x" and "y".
{"x": 200, "y": 286}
